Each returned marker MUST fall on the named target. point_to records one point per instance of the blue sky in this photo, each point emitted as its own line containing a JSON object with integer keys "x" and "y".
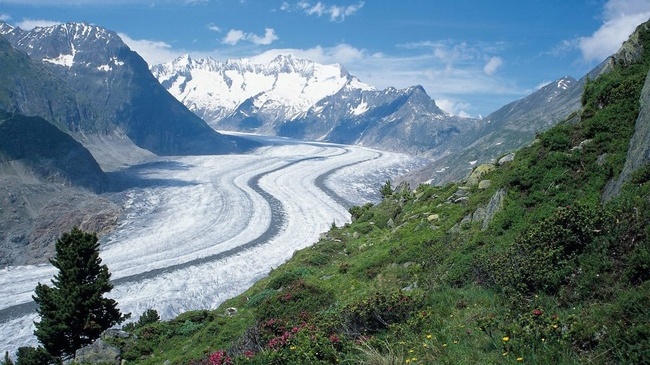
{"x": 471, "y": 56}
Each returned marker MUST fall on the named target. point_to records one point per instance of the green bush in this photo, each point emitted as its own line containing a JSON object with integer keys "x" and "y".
{"x": 294, "y": 301}
{"x": 543, "y": 256}
{"x": 377, "y": 312}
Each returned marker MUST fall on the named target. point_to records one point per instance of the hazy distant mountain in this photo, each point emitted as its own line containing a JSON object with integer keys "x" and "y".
{"x": 507, "y": 129}
{"x": 109, "y": 91}
{"x": 298, "y": 98}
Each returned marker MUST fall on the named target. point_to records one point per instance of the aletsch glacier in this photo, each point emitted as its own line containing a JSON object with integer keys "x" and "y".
{"x": 198, "y": 230}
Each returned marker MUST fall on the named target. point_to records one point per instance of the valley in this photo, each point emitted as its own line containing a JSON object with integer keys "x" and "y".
{"x": 197, "y": 230}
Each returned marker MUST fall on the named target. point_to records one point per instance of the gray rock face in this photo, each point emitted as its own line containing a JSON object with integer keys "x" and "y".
{"x": 482, "y": 215}
{"x": 638, "y": 152}
{"x": 494, "y": 206}
{"x": 98, "y": 353}
{"x": 33, "y": 214}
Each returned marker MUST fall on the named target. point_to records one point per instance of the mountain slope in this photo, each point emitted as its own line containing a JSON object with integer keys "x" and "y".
{"x": 114, "y": 90}
{"x": 302, "y": 99}
{"x": 48, "y": 185}
{"x": 29, "y": 88}
{"x": 53, "y": 155}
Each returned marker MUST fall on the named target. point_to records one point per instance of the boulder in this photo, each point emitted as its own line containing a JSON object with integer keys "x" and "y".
{"x": 507, "y": 158}
{"x": 478, "y": 173}
{"x": 98, "y": 352}
{"x": 484, "y": 184}
{"x": 390, "y": 223}
{"x": 462, "y": 199}
{"x": 433, "y": 217}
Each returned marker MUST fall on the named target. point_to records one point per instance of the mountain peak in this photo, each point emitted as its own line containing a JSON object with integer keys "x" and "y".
{"x": 59, "y": 44}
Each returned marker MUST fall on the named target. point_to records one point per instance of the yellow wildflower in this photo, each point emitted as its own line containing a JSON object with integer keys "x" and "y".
{"x": 429, "y": 336}
{"x": 520, "y": 359}
{"x": 506, "y": 338}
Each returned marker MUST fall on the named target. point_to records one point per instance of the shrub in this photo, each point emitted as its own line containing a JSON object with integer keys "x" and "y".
{"x": 543, "y": 255}
{"x": 377, "y": 312}
{"x": 293, "y": 301}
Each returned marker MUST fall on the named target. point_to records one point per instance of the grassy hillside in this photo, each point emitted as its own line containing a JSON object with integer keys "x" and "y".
{"x": 553, "y": 277}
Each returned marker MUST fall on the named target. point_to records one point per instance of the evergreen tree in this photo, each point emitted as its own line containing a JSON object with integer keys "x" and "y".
{"x": 149, "y": 316}
{"x": 73, "y": 311}
{"x": 7, "y": 360}
{"x": 386, "y": 189}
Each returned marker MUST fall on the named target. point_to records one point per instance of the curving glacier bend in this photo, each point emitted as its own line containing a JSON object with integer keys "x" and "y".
{"x": 198, "y": 230}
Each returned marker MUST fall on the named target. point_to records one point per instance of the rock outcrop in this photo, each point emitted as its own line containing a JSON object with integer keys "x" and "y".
{"x": 99, "y": 352}
{"x": 638, "y": 152}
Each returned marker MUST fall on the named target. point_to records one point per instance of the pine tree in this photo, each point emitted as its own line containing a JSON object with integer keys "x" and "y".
{"x": 73, "y": 311}
{"x": 7, "y": 360}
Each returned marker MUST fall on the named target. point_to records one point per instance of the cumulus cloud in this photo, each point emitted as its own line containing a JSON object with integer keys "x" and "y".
{"x": 235, "y": 36}
{"x": 453, "y": 107}
{"x": 492, "y": 65}
{"x": 5, "y": 17}
{"x": 29, "y": 24}
{"x": 621, "y": 17}
{"x": 336, "y": 13}
{"x": 214, "y": 28}
{"x": 154, "y": 52}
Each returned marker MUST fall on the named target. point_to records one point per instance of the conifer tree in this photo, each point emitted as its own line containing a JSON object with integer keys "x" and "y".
{"x": 74, "y": 311}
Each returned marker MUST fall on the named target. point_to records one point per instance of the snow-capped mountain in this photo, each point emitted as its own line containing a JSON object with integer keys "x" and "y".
{"x": 280, "y": 90}
{"x": 112, "y": 90}
{"x": 299, "y": 98}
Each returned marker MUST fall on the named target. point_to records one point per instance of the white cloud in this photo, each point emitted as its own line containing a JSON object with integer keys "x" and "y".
{"x": 269, "y": 37}
{"x": 214, "y": 28}
{"x": 154, "y": 52}
{"x": 541, "y": 85}
{"x": 492, "y": 65}
{"x": 621, "y": 17}
{"x": 29, "y": 24}
{"x": 235, "y": 36}
{"x": 453, "y": 107}
{"x": 336, "y": 13}
{"x": 5, "y": 17}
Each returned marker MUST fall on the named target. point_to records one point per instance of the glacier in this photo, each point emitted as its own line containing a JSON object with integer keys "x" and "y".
{"x": 197, "y": 230}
